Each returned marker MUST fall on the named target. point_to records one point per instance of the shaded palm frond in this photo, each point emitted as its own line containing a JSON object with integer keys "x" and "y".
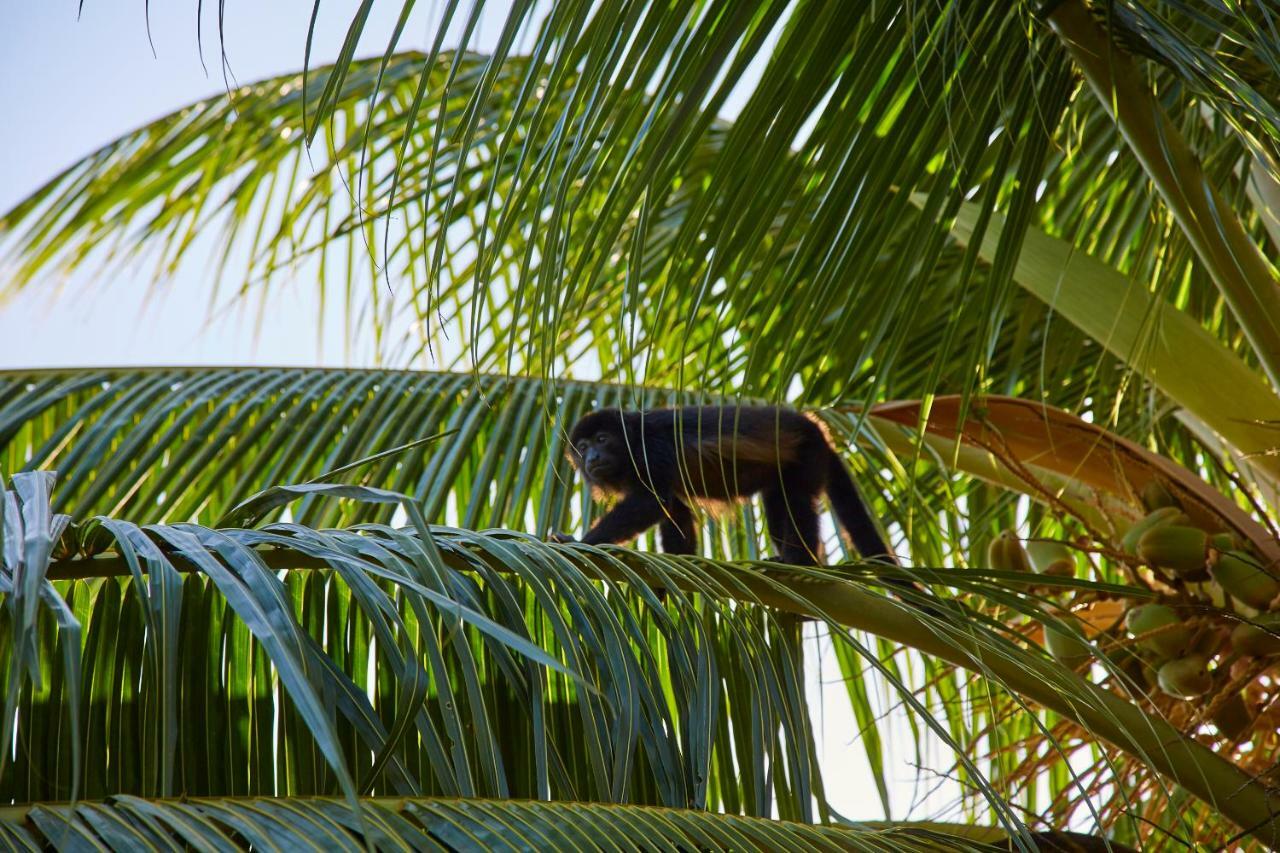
{"x": 463, "y": 698}
{"x": 396, "y": 661}
{"x": 486, "y": 644}
{"x": 126, "y": 822}
{"x": 189, "y": 444}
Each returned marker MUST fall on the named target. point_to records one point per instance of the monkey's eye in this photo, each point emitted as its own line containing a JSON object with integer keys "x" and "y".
{"x": 602, "y": 437}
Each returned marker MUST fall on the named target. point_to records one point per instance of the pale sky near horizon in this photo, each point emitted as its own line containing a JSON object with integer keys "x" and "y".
{"x": 68, "y": 87}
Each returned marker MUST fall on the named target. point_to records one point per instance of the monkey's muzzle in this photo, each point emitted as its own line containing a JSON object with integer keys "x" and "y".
{"x": 598, "y": 466}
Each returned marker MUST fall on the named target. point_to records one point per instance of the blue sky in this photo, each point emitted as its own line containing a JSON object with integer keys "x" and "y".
{"x": 68, "y": 87}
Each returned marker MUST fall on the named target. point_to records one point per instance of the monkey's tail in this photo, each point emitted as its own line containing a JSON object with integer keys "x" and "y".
{"x": 855, "y": 518}
{"x": 851, "y": 510}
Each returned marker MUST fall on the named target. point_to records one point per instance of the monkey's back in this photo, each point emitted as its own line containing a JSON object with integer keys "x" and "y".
{"x": 730, "y": 452}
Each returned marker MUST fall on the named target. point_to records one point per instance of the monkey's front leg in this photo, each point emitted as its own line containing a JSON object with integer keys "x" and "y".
{"x": 677, "y": 530}
{"x": 632, "y": 515}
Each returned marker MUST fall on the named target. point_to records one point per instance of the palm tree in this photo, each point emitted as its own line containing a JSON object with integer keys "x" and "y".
{"x": 294, "y": 597}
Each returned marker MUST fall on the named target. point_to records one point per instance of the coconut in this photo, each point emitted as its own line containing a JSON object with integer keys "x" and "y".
{"x": 1051, "y": 558}
{"x": 1146, "y": 618}
{"x": 1242, "y": 576}
{"x": 1155, "y": 496}
{"x": 1005, "y": 554}
{"x": 1164, "y": 515}
{"x": 1233, "y": 718}
{"x": 1259, "y": 638}
{"x": 1066, "y": 647}
{"x": 1175, "y": 547}
{"x": 1186, "y": 678}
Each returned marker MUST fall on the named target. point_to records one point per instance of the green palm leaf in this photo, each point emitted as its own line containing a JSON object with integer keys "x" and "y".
{"x": 408, "y": 730}
{"x": 632, "y": 243}
{"x": 126, "y": 822}
{"x": 631, "y": 220}
{"x": 455, "y": 690}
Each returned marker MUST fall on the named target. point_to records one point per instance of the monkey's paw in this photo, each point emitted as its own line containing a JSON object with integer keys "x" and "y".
{"x": 560, "y": 538}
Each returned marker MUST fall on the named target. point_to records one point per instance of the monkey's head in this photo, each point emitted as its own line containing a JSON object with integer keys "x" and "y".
{"x": 598, "y": 448}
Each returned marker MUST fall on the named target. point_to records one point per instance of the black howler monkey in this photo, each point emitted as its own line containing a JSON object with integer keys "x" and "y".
{"x": 662, "y": 461}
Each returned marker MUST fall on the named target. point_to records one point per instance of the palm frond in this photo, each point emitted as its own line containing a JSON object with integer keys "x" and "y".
{"x": 487, "y": 643}
{"x": 769, "y": 280}
{"x": 862, "y": 229}
{"x": 183, "y": 444}
{"x": 1179, "y": 357}
{"x": 555, "y": 195}
{"x": 1241, "y": 273}
{"x": 189, "y": 444}
{"x": 501, "y": 670}
{"x": 586, "y": 200}
{"x": 1225, "y": 55}
{"x": 417, "y": 823}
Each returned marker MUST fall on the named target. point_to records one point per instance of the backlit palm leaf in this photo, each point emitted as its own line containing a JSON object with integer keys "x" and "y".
{"x": 620, "y": 263}
{"x": 578, "y": 225}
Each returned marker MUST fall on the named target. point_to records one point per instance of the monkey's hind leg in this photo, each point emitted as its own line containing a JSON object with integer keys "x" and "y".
{"x": 793, "y": 524}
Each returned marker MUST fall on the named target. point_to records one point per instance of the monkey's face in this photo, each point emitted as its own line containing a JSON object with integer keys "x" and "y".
{"x": 598, "y": 448}
{"x": 600, "y": 456}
